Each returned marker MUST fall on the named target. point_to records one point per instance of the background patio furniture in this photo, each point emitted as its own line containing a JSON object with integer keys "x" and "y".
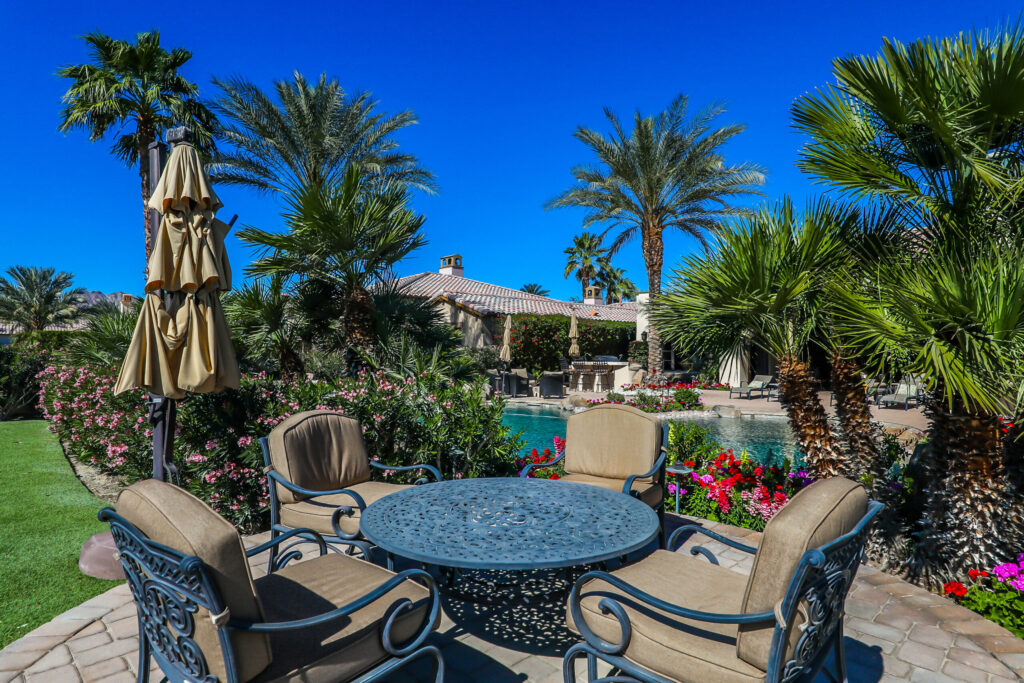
{"x": 202, "y": 617}
{"x": 551, "y": 385}
{"x": 616, "y": 447}
{"x": 682, "y": 618}
{"x": 320, "y": 475}
{"x": 905, "y": 393}
{"x": 759, "y": 383}
{"x": 524, "y": 381}
{"x": 508, "y": 524}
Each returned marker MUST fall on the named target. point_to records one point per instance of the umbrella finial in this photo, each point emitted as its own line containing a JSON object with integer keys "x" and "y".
{"x": 180, "y": 134}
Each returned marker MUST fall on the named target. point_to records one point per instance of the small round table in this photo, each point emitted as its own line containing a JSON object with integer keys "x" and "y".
{"x": 508, "y": 524}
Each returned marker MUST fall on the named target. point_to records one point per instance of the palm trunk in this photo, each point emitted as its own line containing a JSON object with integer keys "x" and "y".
{"x": 967, "y": 517}
{"x": 654, "y": 257}
{"x": 854, "y": 412}
{"x": 359, "y": 328}
{"x": 807, "y": 417}
{"x": 146, "y": 135}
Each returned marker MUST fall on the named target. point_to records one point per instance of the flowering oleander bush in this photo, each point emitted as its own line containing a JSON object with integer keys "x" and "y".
{"x": 538, "y": 341}
{"x": 997, "y": 595}
{"x": 556, "y": 471}
{"x": 405, "y": 421}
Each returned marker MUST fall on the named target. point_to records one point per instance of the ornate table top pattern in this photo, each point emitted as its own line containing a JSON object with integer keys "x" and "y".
{"x": 508, "y": 523}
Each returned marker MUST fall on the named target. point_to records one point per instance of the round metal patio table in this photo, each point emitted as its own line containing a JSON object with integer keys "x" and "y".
{"x": 509, "y": 524}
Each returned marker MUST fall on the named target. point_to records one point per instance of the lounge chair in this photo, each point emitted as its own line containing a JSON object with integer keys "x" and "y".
{"x": 759, "y": 383}
{"x": 676, "y": 617}
{"x": 524, "y": 381}
{"x": 905, "y": 393}
{"x": 319, "y": 476}
{"x": 202, "y": 617}
{"x": 616, "y": 447}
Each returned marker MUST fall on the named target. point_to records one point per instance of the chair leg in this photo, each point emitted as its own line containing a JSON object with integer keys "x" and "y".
{"x": 662, "y": 538}
{"x": 143, "y": 674}
{"x": 840, "y": 654}
{"x": 274, "y": 533}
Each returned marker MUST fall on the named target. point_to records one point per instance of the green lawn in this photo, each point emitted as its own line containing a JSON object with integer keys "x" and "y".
{"x": 45, "y": 516}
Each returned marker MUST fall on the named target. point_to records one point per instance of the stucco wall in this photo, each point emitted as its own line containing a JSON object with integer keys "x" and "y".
{"x": 476, "y": 331}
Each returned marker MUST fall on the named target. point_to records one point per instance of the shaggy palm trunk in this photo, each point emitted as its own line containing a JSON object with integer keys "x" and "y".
{"x": 654, "y": 258}
{"x": 145, "y": 136}
{"x": 967, "y": 517}
{"x": 359, "y": 327}
{"x": 807, "y": 418}
{"x": 854, "y": 412}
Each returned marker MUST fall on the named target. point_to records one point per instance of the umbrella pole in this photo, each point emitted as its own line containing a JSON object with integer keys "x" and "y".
{"x": 163, "y": 411}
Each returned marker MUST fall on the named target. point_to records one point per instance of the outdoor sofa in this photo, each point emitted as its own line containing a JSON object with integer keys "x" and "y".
{"x": 759, "y": 383}
{"x": 616, "y": 447}
{"x": 904, "y": 394}
{"x": 319, "y": 476}
{"x": 202, "y": 616}
{"x": 683, "y": 618}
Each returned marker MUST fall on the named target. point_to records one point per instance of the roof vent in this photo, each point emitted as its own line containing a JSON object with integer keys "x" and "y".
{"x": 451, "y": 265}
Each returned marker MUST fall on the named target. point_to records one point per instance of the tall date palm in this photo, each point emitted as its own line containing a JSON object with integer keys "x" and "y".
{"x": 669, "y": 173}
{"x": 137, "y": 91}
{"x": 307, "y": 135}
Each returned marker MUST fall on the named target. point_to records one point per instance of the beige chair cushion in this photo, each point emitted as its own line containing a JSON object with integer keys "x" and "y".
{"x": 315, "y": 513}
{"x": 612, "y": 441}
{"x": 319, "y": 450}
{"x": 679, "y": 649}
{"x": 820, "y": 513}
{"x": 175, "y": 518}
{"x": 645, "y": 490}
{"x": 345, "y": 647}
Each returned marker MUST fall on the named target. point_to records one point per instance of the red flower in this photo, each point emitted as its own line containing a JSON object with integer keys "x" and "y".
{"x": 555, "y": 476}
{"x": 689, "y": 463}
{"x": 955, "y": 588}
{"x": 975, "y": 573}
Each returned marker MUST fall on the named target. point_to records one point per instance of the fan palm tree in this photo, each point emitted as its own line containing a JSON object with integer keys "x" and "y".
{"x": 534, "y": 288}
{"x": 308, "y": 136}
{"x": 669, "y": 173}
{"x": 263, "y": 323}
{"x": 960, "y": 320}
{"x": 106, "y": 337}
{"x": 764, "y": 284}
{"x": 617, "y": 287}
{"x": 36, "y": 298}
{"x": 342, "y": 241}
{"x": 136, "y": 91}
{"x": 585, "y": 258}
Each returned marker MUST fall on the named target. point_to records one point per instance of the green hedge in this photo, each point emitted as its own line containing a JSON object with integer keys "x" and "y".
{"x": 539, "y": 340}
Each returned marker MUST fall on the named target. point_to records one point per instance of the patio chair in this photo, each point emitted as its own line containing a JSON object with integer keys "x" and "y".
{"x": 616, "y": 447}
{"x": 676, "y": 617}
{"x": 524, "y": 381}
{"x": 905, "y": 393}
{"x": 759, "y": 383}
{"x": 319, "y": 476}
{"x": 550, "y": 385}
{"x": 202, "y": 617}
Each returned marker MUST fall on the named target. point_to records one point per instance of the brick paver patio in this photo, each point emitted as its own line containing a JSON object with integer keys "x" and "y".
{"x": 895, "y": 632}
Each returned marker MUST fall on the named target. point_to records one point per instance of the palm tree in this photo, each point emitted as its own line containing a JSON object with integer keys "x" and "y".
{"x": 617, "y": 287}
{"x": 534, "y": 288}
{"x": 343, "y": 240}
{"x": 669, "y": 173}
{"x": 106, "y": 337}
{"x": 263, "y": 323}
{"x": 137, "y": 85}
{"x": 586, "y": 258}
{"x": 307, "y": 137}
{"x": 36, "y": 298}
{"x": 764, "y": 284}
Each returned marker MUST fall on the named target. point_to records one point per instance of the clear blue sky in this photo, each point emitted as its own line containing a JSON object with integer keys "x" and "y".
{"x": 498, "y": 87}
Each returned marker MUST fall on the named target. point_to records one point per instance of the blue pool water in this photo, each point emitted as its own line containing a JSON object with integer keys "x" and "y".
{"x": 767, "y": 439}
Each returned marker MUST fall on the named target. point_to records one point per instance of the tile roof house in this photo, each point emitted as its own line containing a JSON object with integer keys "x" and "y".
{"x": 473, "y": 306}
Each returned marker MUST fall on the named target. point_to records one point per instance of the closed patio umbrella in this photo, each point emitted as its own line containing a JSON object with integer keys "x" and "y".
{"x": 574, "y": 336}
{"x": 505, "y": 356}
{"x": 181, "y": 341}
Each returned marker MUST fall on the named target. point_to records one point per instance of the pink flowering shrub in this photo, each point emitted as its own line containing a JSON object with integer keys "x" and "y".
{"x": 405, "y": 421}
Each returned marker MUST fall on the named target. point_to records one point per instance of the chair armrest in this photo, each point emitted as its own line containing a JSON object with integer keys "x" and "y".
{"x": 295, "y": 488}
{"x": 390, "y": 616}
{"x": 710, "y": 534}
{"x": 628, "y": 486}
{"x": 306, "y": 534}
{"x": 537, "y": 465}
{"x": 430, "y": 468}
{"x": 611, "y": 604}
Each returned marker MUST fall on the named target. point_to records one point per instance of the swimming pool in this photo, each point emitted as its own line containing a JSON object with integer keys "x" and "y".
{"x": 767, "y": 439}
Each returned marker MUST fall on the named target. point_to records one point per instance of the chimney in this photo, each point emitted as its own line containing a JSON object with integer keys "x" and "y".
{"x": 593, "y": 296}
{"x": 126, "y": 302}
{"x": 451, "y": 265}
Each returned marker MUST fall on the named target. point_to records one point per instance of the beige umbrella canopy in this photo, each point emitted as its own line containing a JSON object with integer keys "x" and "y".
{"x": 189, "y": 349}
{"x": 574, "y": 336}
{"x": 506, "y": 342}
